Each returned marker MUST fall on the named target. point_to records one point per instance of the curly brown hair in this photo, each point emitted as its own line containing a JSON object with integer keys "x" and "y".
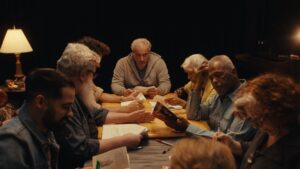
{"x": 278, "y": 98}
{"x": 95, "y": 45}
{"x": 198, "y": 153}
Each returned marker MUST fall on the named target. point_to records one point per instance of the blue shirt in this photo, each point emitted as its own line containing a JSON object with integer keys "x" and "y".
{"x": 23, "y": 145}
{"x": 218, "y": 112}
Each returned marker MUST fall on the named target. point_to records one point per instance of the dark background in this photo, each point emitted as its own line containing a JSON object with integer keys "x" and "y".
{"x": 176, "y": 30}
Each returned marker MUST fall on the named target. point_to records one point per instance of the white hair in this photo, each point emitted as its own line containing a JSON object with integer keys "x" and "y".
{"x": 76, "y": 58}
{"x": 224, "y": 59}
{"x": 193, "y": 61}
{"x": 141, "y": 42}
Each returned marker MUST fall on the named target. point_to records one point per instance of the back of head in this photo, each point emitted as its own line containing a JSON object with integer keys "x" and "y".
{"x": 46, "y": 81}
{"x": 95, "y": 45}
{"x": 140, "y": 43}
{"x": 223, "y": 60}
{"x": 77, "y": 58}
{"x": 199, "y": 153}
{"x": 193, "y": 61}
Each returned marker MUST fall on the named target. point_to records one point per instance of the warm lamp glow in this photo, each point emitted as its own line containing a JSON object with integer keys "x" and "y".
{"x": 297, "y": 35}
{"x": 16, "y": 42}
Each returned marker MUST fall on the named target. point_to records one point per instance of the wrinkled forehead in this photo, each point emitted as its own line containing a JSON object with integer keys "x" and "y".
{"x": 218, "y": 67}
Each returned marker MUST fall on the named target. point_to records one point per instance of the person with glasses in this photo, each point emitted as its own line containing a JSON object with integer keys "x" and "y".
{"x": 272, "y": 103}
{"x": 27, "y": 141}
{"x": 142, "y": 70}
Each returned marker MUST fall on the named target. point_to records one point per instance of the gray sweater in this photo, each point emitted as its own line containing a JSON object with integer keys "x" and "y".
{"x": 126, "y": 74}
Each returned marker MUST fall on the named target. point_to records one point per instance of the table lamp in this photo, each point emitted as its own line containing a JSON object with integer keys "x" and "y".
{"x": 16, "y": 42}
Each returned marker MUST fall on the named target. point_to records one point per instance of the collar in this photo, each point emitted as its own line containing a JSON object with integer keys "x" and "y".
{"x": 26, "y": 119}
{"x": 232, "y": 94}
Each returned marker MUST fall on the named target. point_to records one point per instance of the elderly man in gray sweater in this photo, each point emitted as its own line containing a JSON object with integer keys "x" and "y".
{"x": 142, "y": 70}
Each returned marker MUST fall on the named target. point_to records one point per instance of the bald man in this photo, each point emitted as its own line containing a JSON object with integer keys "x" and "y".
{"x": 218, "y": 112}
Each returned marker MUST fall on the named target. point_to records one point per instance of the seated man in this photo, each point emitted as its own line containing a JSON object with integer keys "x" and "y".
{"x": 218, "y": 112}
{"x": 141, "y": 70}
{"x": 102, "y": 50}
{"x": 27, "y": 141}
{"x": 78, "y": 138}
{"x": 196, "y": 68}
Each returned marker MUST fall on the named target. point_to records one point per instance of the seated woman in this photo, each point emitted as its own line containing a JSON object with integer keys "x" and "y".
{"x": 196, "y": 68}
{"x": 271, "y": 102}
{"x": 200, "y": 153}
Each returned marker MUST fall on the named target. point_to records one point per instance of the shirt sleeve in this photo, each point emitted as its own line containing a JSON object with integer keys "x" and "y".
{"x": 117, "y": 83}
{"x": 163, "y": 78}
{"x": 100, "y": 116}
{"x": 195, "y": 109}
{"x": 196, "y": 131}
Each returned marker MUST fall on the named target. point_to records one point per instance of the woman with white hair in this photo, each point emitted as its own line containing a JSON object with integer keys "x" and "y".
{"x": 195, "y": 66}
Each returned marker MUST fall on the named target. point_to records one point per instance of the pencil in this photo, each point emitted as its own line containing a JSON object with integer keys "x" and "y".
{"x": 164, "y": 142}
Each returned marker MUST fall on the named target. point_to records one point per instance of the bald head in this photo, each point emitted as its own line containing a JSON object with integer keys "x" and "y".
{"x": 222, "y": 74}
{"x": 221, "y": 61}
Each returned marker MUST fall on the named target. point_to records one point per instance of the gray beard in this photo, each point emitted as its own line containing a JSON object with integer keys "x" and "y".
{"x": 87, "y": 96}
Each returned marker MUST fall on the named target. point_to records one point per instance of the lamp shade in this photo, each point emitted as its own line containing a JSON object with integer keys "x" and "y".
{"x": 15, "y": 42}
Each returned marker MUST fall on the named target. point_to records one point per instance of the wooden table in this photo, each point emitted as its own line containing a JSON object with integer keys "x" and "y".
{"x": 155, "y": 154}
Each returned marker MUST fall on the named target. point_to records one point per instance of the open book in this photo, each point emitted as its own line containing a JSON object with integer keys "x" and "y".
{"x": 115, "y": 159}
{"x": 163, "y": 113}
{"x": 113, "y": 130}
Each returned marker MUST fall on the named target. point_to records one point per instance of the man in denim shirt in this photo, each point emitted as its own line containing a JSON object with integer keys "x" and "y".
{"x": 27, "y": 141}
{"x": 218, "y": 112}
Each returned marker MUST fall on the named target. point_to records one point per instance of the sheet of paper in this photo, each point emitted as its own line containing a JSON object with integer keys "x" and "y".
{"x": 114, "y": 130}
{"x": 123, "y": 104}
{"x": 140, "y": 96}
{"x": 115, "y": 159}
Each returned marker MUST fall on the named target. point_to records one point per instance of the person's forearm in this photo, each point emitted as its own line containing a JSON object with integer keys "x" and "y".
{"x": 112, "y": 98}
{"x": 113, "y": 117}
{"x": 109, "y": 144}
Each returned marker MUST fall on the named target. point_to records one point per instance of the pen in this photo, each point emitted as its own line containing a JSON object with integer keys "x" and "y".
{"x": 98, "y": 164}
{"x": 164, "y": 142}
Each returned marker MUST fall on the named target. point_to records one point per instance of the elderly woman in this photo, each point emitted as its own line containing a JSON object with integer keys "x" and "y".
{"x": 271, "y": 102}
{"x": 199, "y": 153}
{"x": 195, "y": 66}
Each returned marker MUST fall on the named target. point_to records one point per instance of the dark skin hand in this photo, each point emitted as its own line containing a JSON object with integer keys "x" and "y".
{"x": 180, "y": 124}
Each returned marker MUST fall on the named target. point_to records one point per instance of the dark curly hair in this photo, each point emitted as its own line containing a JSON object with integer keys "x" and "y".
{"x": 95, "y": 45}
{"x": 279, "y": 100}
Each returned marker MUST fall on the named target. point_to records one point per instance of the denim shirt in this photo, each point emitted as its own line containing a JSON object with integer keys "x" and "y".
{"x": 219, "y": 115}
{"x": 78, "y": 137}
{"x": 22, "y": 145}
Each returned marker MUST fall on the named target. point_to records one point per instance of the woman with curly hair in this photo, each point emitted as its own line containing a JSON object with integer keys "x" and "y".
{"x": 272, "y": 103}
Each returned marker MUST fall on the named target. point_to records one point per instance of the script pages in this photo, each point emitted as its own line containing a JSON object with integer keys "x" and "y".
{"x": 114, "y": 159}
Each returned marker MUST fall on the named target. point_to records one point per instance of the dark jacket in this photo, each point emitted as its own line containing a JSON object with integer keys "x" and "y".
{"x": 22, "y": 145}
{"x": 284, "y": 154}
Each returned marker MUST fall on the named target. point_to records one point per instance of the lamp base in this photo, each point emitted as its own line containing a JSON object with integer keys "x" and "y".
{"x": 19, "y": 82}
